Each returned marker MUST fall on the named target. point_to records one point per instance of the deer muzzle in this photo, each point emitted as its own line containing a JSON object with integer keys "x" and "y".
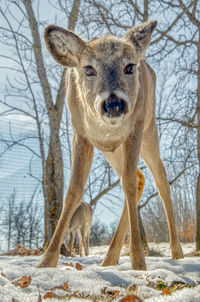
{"x": 113, "y": 106}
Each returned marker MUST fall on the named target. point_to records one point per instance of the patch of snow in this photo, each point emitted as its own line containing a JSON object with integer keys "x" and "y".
{"x": 93, "y": 279}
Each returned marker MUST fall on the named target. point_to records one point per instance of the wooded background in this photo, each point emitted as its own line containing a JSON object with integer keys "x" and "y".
{"x": 34, "y": 119}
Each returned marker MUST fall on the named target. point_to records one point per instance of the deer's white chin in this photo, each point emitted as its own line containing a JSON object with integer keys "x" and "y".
{"x": 114, "y": 121}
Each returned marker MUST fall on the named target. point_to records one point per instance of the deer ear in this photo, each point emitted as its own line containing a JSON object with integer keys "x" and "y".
{"x": 140, "y": 37}
{"x": 63, "y": 45}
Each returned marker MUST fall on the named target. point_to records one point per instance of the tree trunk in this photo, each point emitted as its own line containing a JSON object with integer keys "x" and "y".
{"x": 146, "y": 11}
{"x": 198, "y": 152}
{"x": 53, "y": 177}
{"x": 52, "y": 183}
{"x": 53, "y": 191}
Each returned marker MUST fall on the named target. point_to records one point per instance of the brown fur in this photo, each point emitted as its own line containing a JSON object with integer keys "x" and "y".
{"x": 80, "y": 223}
{"x": 121, "y": 138}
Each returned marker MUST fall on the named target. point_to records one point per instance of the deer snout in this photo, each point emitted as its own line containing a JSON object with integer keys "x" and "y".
{"x": 114, "y": 106}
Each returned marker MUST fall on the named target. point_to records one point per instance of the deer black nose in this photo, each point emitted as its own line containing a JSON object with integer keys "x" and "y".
{"x": 113, "y": 106}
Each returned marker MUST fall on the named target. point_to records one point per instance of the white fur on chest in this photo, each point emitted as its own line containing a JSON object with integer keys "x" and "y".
{"x": 99, "y": 133}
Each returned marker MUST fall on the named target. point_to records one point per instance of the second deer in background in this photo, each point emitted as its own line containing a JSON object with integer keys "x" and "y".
{"x": 80, "y": 223}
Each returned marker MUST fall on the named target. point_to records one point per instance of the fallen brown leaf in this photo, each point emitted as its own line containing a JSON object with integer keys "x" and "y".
{"x": 48, "y": 295}
{"x": 3, "y": 275}
{"x": 131, "y": 298}
{"x": 79, "y": 266}
{"x": 25, "y": 281}
{"x": 166, "y": 291}
{"x": 66, "y": 286}
{"x": 69, "y": 264}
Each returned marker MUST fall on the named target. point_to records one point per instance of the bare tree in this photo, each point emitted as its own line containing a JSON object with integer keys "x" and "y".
{"x": 21, "y": 222}
{"x": 53, "y": 167}
{"x": 7, "y": 221}
{"x": 99, "y": 234}
{"x": 183, "y": 40}
{"x": 30, "y": 56}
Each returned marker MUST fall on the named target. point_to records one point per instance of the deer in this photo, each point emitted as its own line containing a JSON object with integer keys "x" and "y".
{"x": 111, "y": 98}
{"x": 80, "y": 223}
{"x": 82, "y": 218}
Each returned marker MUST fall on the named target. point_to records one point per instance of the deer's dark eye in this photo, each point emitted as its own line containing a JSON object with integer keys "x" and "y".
{"x": 129, "y": 69}
{"x": 90, "y": 71}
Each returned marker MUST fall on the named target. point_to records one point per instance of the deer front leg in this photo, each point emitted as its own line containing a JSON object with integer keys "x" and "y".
{"x": 151, "y": 155}
{"x": 81, "y": 162}
{"x": 113, "y": 253}
{"x": 131, "y": 150}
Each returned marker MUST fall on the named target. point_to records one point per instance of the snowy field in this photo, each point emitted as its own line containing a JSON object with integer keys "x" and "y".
{"x": 83, "y": 279}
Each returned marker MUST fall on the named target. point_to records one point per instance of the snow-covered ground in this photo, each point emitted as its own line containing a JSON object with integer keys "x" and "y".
{"x": 164, "y": 280}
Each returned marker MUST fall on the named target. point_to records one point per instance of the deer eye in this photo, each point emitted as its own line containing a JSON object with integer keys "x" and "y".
{"x": 90, "y": 71}
{"x": 129, "y": 69}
